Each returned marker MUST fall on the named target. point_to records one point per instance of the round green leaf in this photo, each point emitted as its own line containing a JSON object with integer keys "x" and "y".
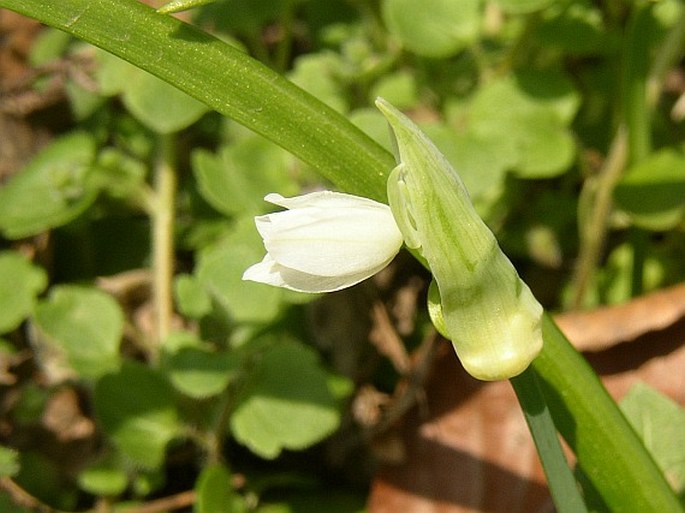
{"x": 215, "y": 492}
{"x": 523, "y": 6}
{"x": 104, "y": 478}
{"x": 316, "y": 74}
{"x": 191, "y": 297}
{"x": 52, "y": 190}
{"x": 136, "y": 409}
{"x": 433, "y": 28}
{"x": 398, "y": 88}
{"x": 576, "y": 28}
{"x": 9, "y": 462}
{"x": 660, "y": 422}
{"x": 529, "y": 114}
{"x": 653, "y": 191}
{"x": 200, "y": 373}
{"x": 85, "y": 324}
{"x": 20, "y": 283}
{"x": 236, "y": 180}
{"x": 287, "y": 403}
{"x": 220, "y": 269}
{"x": 160, "y": 106}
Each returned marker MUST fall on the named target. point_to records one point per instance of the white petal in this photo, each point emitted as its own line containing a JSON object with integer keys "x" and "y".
{"x": 270, "y": 272}
{"x": 331, "y": 241}
{"x": 265, "y": 272}
{"x": 322, "y": 199}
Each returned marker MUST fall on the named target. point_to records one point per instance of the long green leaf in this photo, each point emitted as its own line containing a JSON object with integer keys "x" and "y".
{"x": 228, "y": 81}
{"x": 594, "y": 427}
{"x": 239, "y": 87}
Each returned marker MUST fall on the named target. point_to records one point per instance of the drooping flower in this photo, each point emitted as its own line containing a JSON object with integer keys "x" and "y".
{"x": 325, "y": 241}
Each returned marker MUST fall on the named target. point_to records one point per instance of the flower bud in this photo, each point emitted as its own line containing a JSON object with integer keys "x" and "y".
{"x": 325, "y": 241}
{"x": 489, "y": 313}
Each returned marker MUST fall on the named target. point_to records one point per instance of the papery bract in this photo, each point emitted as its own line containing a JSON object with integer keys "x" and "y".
{"x": 488, "y": 312}
{"x": 324, "y": 241}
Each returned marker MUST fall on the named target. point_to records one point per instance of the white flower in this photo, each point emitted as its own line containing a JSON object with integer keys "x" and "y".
{"x": 325, "y": 241}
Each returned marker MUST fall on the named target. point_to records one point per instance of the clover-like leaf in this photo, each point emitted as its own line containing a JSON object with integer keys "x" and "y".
{"x": 652, "y": 192}
{"x": 437, "y": 29}
{"x": 135, "y": 407}
{"x": 660, "y": 422}
{"x": 235, "y": 180}
{"x": 86, "y": 325}
{"x": 286, "y": 404}
{"x": 20, "y": 283}
{"x": 53, "y": 189}
{"x": 220, "y": 269}
{"x": 201, "y": 373}
{"x": 215, "y": 492}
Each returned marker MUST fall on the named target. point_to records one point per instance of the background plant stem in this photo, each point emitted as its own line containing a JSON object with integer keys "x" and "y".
{"x": 235, "y": 85}
{"x": 163, "y": 238}
{"x": 641, "y": 88}
{"x": 593, "y": 231}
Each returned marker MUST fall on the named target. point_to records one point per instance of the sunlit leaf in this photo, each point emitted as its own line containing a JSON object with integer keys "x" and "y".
{"x": 215, "y": 492}
{"x": 529, "y": 113}
{"x": 220, "y": 269}
{"x": 191, "y": 297}
{"x": 52, "y": 190}
{"x": 660, "y": 422}
{"x": 523, "y": 6}
{"x": 286, "y": 404}
{"x": 85, "y": 324}
{"x": 436, "y": 28}
{"x": 104, "y": 478}
{"x": 9, "y": 462}
{"x": 20, "y": 283}
{"x": 136, "y": 409}
{"x": 236, "y": 180}
{"x": 201, "y": 373}
{"x": 652, "y": 192}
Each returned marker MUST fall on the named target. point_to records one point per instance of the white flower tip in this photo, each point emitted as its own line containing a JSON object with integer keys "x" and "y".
{"x": 274, "y": 198}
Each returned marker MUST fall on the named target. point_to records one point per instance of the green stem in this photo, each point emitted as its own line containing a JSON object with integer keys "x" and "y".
{"x": 561, "y": 482}
{"x": 639, "y": 241}
{"x": 593, "y": 230}
{"x": 233, "y": 84}
{"x": 163, "y": 239}
{"x": 284, "y": 46}
{"x": 636, "y": 112}
{"x": 671, "y": 52}
{"x": 632, "y": 142}
{"x": 607, "y": 448}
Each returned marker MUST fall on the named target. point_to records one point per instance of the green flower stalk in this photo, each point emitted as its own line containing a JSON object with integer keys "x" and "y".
{"x": 480, "y": 303}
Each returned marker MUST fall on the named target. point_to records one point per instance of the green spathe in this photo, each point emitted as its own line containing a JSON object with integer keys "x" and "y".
{"x": 489, "y": 313}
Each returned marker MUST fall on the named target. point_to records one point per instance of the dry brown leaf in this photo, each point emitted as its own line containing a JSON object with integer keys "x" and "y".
{"x": 468, "y": 449}
{"x": 470, "y": 452}
{"x": 605, "y": 327}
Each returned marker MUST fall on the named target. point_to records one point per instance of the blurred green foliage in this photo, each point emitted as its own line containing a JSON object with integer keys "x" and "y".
{"x": 526, "y": 98}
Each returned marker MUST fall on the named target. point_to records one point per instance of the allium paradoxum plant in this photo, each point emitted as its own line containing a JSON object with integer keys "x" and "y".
{"x": 327, "y": 241}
